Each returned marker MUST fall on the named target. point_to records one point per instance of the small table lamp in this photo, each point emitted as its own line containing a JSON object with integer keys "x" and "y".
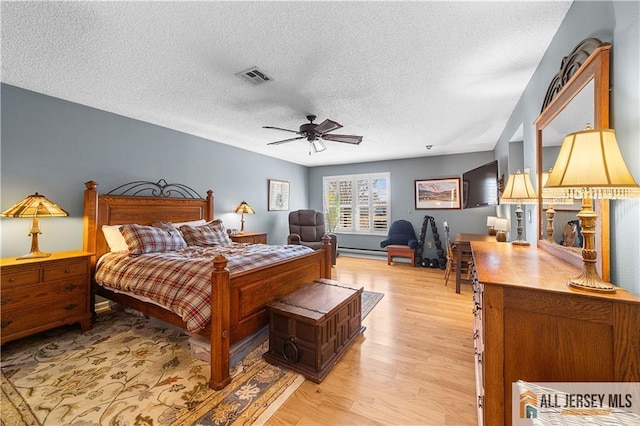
{"x": 243, "y": 208}
{"x": 502, "y": 226}
{"x": 590, "y": 166}
{"x": 491, "y": 224}
{"x": 34, "y": 206}
{"x": 519, "y": 190}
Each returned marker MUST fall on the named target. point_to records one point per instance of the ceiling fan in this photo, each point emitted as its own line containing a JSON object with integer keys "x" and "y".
{"x": 315, "y": 133}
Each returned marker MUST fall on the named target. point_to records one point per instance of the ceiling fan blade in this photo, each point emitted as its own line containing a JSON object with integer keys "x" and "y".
{"x": 327, "y": 126}
{"x": 279, "y": 128}
{"x": 353, "y": 139}
{"x": 285, "y": 140}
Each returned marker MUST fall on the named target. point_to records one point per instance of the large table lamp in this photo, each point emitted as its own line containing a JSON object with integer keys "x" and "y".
{"x": 243, "y": 208}
{"x": 519, "y": 190}
{"x": 34, "y": 206}
{"x": 590, "y": 166}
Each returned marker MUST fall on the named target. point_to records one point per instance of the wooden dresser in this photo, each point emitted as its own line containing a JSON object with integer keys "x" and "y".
{"x": 39, "y": 294}
{"x": 529, "y": 325}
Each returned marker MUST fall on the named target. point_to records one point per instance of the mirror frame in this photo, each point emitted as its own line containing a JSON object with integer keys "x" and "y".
{"x": 594, "y": 68}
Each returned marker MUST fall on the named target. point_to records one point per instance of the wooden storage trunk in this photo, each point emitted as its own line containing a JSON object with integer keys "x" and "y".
{"x": 311, "y": 328}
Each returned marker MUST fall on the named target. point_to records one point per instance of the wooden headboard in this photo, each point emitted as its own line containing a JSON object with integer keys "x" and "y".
{"x": 139, "y": 202}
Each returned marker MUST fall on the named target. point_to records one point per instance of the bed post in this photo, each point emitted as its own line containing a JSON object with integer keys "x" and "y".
{"x": 220, "y": 324}
{"x": 208, "y": 215}
{"x": 89, "y": 223}
{"x": 328, "y": 257}
{"x": 90, "y": 217}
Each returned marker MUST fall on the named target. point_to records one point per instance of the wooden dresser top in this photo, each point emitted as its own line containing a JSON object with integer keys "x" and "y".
{"x": 530, "y": 267}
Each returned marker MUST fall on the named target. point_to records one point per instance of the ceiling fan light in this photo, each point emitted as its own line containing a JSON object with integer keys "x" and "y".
{"x": 318, "y": 145}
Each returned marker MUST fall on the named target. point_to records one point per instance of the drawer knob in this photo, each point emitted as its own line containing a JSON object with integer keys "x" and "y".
{"x": 66, "y": 271}
{"x": 5, "y": 300}
{"x": 290, "y": 351}
{"x": 12, "y": 279}
{"x": 70, "y": 287}
{"x": 71, "y": 306}
{"x": 4, "y": 324}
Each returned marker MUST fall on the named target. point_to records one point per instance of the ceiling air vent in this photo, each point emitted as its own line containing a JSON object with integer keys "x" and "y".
{"x": 254, "y": 75}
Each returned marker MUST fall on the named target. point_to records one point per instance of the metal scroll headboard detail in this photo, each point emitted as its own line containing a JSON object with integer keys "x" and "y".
{"x": 157, "y": 189}
{"x": 568, "y": 67}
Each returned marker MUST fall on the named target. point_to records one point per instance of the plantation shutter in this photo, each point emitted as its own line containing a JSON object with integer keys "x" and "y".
{"x": 357, "y": 203}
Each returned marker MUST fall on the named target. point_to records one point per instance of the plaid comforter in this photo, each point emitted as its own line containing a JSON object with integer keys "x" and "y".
{"x": 180, "y": 280}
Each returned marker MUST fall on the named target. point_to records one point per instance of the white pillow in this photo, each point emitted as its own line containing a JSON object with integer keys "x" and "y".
{"x": 114, "y": 238}
{"x": 198, "y": 222}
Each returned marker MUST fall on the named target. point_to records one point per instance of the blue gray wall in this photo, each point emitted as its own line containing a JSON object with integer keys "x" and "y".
{"x": 403, "y": 175}
{"x": 52, "y": 146}
{"x": 618, "y": 23}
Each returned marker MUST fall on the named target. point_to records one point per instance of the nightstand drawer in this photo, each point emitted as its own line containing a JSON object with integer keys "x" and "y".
{"x": 63, "y": 270}
{"x": 37, "y": 317}
{"x": 20, "y": 296}
{"x": 20, "y": 277}
{"x": 250, "y": 238}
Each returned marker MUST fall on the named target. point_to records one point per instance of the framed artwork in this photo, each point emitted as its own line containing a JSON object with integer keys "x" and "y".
{"x": 437, "y": 193}
{"x": 278, "y": 195}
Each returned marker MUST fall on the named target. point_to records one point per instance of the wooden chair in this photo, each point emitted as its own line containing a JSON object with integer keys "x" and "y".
{"x": 465, "y": 264}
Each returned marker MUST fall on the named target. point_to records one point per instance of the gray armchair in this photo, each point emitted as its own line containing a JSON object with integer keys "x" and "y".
{"x": 306, "y": 227}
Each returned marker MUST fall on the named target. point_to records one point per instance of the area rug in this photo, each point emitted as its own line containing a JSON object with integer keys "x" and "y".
{"x": 369, "y": 300}
{"x": 127, "y": 371}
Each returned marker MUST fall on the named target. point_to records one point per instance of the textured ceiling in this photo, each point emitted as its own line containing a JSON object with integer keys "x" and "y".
{"x": 402, "y": 74}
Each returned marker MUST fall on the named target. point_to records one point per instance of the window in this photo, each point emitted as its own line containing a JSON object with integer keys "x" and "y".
{"x": 357, "y": 203}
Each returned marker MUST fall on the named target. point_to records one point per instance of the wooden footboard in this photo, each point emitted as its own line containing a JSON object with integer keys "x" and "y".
{"x": 238, "y": 302}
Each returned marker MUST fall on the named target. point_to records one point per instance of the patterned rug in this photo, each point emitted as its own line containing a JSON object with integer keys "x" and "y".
{"x": 129, "y": 370}
{"x": 126, "y": 371}
{"x": 369, "y": 300}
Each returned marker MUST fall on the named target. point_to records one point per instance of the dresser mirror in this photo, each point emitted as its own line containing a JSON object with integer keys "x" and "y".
{"x": 578, "y": 95}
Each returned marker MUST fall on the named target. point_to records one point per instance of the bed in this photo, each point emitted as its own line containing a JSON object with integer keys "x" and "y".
{"x": 238, "y": 299}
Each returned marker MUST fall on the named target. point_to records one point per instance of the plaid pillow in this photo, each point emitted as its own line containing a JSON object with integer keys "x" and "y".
{"x": 147, "y": 239}
{"x": 213, "y": 233}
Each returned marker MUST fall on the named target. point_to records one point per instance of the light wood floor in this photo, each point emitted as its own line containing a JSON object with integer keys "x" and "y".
{"x": 412, "y": 366}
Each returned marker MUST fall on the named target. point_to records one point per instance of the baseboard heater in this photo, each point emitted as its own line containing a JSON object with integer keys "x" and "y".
{"x": 359, "y": 251}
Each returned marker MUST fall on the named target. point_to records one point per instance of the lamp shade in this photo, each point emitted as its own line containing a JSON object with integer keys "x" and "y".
{"x": 519, "y": 190}
{"x": 35, "y": 205}
{"x": 243, "y": 207}
{"x": 491, "y": 221}
{"x": 318, "y": 145}
{"x": 590, "y": 165}
{"x": 502, "y": 224}
{"x": 549, "y": 198}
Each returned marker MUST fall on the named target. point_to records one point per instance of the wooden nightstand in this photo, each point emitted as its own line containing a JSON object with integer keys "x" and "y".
{"x": 39, "y": 294}
{"x": 250, "y": 237}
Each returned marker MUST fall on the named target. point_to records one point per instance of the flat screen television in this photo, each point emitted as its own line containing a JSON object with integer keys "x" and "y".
{"x": 480, "y": 186}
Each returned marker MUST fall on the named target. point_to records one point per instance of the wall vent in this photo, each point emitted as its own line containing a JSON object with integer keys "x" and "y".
{"x": 254, "y": 76}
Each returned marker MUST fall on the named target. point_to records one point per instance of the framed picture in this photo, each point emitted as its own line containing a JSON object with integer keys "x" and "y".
{"x": 437, "y": 194}
{"x": 278, "y": 195}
